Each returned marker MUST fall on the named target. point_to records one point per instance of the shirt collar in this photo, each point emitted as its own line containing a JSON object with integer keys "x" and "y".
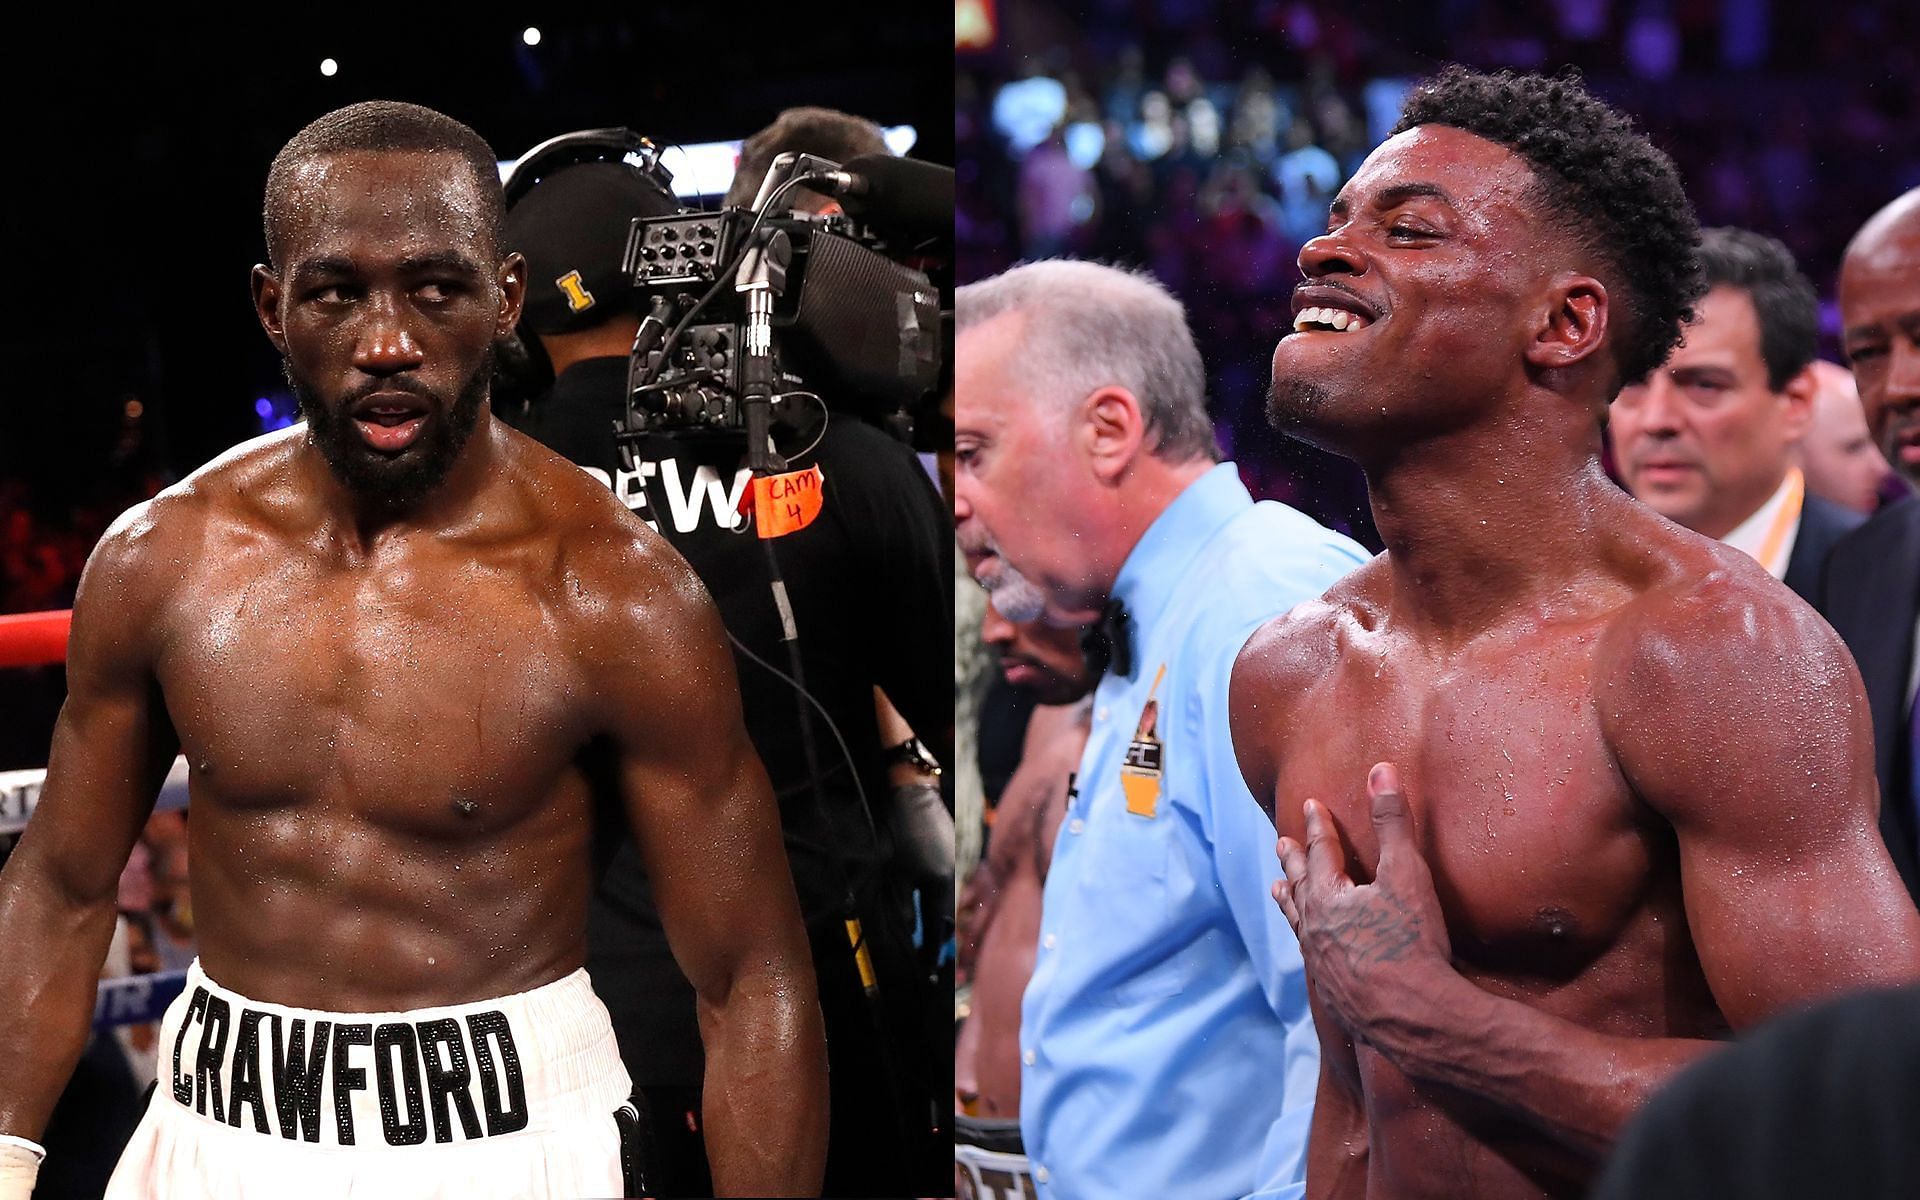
{"x": 1157, "y": 565}
{"x": 1766, "y": 535}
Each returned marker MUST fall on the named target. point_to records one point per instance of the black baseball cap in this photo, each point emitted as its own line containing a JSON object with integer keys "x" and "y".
{"x": 572, "y": 228}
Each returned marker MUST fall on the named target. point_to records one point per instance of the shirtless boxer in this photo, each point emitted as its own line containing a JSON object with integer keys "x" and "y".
{"x": 1003, "y": 897}
{"x": 411, "y": 657}
{"x": 1629, "y": 798}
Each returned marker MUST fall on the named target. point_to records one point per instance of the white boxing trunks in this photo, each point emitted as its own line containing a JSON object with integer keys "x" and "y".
{"x": 990, "y": 1162}
{"x": 515, "y": 1096}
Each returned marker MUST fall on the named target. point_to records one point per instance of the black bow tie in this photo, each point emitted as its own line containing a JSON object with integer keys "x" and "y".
{"x": 1108, "y": 642}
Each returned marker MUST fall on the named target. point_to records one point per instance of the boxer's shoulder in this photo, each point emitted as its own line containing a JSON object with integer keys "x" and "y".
{"x": 251, "y": 488}
{"x": 1716, "y": 614}
{"x": 147, "y": 543}
{"x": 1309, "y": 639}
{"x": 1721, "y": 673}
{"x": 619, "y": 586}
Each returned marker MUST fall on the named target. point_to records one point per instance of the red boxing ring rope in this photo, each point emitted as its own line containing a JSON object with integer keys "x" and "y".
{"x": 35, "y": 639}
{"x": 39, "y": 639}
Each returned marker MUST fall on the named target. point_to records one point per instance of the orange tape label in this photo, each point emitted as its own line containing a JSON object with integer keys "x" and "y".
{"x": 784, "y": 503}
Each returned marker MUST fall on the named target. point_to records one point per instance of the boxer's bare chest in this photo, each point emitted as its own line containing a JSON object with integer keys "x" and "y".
{"x": 415, "y": 686}
{"x": 1532, "y": 835}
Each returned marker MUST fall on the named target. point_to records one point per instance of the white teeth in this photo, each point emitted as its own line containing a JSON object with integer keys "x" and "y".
{"x": 1337, "y": 319}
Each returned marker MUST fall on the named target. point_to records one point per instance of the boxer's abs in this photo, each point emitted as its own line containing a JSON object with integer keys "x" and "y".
{"x": 388, "y": 809}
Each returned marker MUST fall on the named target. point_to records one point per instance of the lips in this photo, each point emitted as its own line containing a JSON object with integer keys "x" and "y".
{"x": 1664, "y": 471}
{"x": 1905, "y": 442}
{"x": 1018, "y": 672}
{"x": 390, "y": 421}
{"x": 1326, "y": 309}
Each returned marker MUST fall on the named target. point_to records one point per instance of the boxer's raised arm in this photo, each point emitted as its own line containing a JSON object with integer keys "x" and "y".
{"x": 709, "y": 833}
{"x": 111, "y": 749}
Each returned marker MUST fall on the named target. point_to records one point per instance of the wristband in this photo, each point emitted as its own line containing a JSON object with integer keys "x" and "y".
{"x": 19, "y": 1166}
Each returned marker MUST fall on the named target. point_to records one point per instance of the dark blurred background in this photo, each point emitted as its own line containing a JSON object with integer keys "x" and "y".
{"x": 135, "y": 160}
{"x": 1203, "y": 139}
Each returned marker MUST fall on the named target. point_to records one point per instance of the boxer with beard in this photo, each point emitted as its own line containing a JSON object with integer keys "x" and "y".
{"x": 1567, "y": 791}
{"x": 412, "y": 658}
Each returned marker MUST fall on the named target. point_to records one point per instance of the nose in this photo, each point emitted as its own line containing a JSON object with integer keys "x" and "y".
{"x": 385, "y": 345}
{"x": 1331, "y": 253}
{"x": 996, "y": 630}
{"x": 1658, "y": 410}
{"x": 1903, "y": 372}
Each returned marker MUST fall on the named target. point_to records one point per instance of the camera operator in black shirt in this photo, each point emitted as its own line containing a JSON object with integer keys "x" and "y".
{"x": 871, "y": 599}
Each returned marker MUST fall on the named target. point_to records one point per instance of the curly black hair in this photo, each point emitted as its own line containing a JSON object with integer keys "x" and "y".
{"x": 1604, "y": 181}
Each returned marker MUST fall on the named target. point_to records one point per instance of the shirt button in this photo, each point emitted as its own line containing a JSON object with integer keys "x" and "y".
{"x": 1100, "y": 714}
{"x": 1049, "y": 941}
{"x": 1027, "y": 1057}
{"x": 1040, "y": 1173}
{"x": 1076, "y": 826}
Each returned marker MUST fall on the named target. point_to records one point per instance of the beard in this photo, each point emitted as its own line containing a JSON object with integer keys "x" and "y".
{"x": 1014, "y": 596}
{"x": 392, "y": 480}
{"x": 1295, "y": 401}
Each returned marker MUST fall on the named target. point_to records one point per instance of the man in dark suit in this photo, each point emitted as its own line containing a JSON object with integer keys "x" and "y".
{"x": 1708, "y": 440}
{"x": 1872, "y": 584}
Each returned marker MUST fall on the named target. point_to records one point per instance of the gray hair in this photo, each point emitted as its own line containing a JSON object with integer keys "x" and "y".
{"x": 1089, "y": 326}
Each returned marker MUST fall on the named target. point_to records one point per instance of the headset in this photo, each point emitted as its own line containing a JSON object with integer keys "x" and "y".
{"x": 615, "y": 144}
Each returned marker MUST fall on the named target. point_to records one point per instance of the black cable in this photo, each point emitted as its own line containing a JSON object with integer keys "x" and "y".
{"x": 722, "y": 277}
{"x": 853, "y": 768}
{"x": 862, "y": 953}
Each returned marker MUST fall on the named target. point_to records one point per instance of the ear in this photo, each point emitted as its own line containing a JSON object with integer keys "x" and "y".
{"x": 266, "y": 305}
{"x": 1112, "y": 430}
{"x": 512, "y": 279}
{"x": 1797, "y": 396}
{"x": 1575, "y": 323}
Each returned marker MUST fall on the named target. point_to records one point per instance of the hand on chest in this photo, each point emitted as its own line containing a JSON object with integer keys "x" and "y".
{"x": 1518, "y": 808}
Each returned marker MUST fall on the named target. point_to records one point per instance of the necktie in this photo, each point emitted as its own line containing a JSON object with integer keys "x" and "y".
{"x": 1108, "y": 643}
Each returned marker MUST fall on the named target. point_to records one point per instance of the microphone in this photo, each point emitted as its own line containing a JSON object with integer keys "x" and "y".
{"x": 902, "y": 196}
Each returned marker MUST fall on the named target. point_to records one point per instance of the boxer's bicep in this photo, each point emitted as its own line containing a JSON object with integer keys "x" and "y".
{"x": 693, "y": 788}
{"x": 1742, "y": 722}
{"x": 704, "y": 817}
{"x": 112, "y": 743}
{"x": 111, "y": 748}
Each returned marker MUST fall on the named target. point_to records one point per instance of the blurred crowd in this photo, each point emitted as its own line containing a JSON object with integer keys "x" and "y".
{"x": 1203, "y": 139}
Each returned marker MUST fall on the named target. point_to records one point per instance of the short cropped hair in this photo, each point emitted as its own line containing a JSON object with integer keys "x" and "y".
{"x": 381, "y": 125}
{"x": 827, "y": 132}
{"x": 1088, "y": 326}
{"x": 1783, "y": 299}
{"x": 1601, "y": 180}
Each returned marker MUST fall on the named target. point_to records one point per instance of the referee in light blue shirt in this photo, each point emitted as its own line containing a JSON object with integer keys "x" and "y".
{"x": 1166, "y": 1041}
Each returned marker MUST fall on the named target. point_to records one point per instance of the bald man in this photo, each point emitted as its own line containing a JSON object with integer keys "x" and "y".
{"x": 1872, "y": 585}
{"x": 1837, "y": 454}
